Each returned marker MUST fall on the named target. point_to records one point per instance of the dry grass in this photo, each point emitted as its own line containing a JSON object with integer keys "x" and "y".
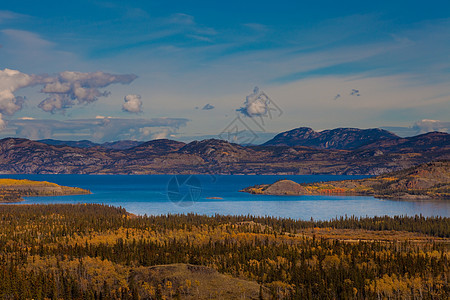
{"x": 194, "y": 282}
{"x": 12, "y": 190}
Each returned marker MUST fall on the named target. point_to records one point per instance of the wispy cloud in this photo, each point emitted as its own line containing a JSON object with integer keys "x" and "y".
{"x": 180, "y": 19}
{"x": 6, "y": 15}
{"x": 257, "y": 27}
{"x": 29, "y": 50}
{"x": 175, "y": 30}
{"x": 100, "y": 129}
{"x": 27, "y": 38}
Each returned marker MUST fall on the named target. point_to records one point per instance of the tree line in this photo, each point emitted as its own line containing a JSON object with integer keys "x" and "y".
{"x": 100, "y": 252}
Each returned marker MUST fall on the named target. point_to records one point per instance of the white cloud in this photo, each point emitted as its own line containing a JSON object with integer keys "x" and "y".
{"x": 98, "y": 129}
{"x": 64, "y": 89}
{"x": 133, "y": 104}
{"x": 161, "y": 135}
{"x": 420, "y": 127}
{"x": 55, "y": 103}
{"x": 426, "y": 125}
{"x": 10, "y": 82}
{"x": 69, "y": 88}
{"x": 256, "y": 104}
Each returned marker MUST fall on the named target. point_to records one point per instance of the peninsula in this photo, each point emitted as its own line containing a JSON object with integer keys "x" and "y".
{"x": 12, "y": 190}
{"x": 426, "y": 181}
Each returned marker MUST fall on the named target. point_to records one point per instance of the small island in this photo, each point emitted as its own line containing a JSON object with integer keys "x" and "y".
{"x": 12, "y": 190}
{"x": 426, "y": 181}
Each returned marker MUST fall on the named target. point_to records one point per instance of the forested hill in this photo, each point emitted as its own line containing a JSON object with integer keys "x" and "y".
{"x": 430, "y": 180}
{"x": 99, "y": 252}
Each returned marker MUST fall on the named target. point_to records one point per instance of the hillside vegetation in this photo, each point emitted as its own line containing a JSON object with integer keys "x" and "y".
{"x": 12, "y": 190}
{"x": 101, "y": 252}
{"x": 430, "y": 180}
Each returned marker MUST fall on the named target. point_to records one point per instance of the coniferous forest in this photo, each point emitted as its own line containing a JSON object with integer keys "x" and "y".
{"x": 102, "y": 252}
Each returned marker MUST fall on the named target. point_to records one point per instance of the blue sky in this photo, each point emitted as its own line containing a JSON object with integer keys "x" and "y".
{"x": 106, "y": 70}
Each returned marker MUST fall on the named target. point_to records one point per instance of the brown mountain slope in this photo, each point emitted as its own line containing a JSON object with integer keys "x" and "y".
{"x": 339, "y": 138}
{"x": 430, "y": 180}
{"x": 220, "y": 157}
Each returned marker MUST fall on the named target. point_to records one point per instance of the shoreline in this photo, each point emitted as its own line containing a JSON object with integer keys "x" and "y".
{"x": 423, "y": 182}
{"x": 13, "y": 190}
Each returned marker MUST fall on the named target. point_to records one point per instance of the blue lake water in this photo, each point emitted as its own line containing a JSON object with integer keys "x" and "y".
{"x": 163, "y": 194}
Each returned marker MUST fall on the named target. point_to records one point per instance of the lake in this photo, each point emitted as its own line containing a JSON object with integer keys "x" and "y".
{"x": 219, "y": 194}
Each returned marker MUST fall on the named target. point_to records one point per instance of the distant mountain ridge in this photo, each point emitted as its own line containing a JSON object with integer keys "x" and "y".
{"x": 339, "y": 138}
{"x": 119, "y": 145}
{"x": 212, "y": 156}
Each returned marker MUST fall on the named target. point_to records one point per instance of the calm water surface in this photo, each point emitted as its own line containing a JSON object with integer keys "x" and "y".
{"x": 160, "y": 194}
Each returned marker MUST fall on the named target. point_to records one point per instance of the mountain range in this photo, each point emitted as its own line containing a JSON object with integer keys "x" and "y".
{"x": 299, "y": 151}
{"x": 119, "y": 145}
{"x": 339, "y": 138}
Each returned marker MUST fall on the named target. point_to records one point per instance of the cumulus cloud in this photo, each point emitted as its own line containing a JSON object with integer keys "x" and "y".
{"x": 208, "y": 107}
{"x": 70, "y": 88}
{"x": 426, "y": 125}
{"x": 10, "y": 82}
{"x": 256, "y": 104}
{"x": 133, "y": 104}
{"x": 98, "y": 129}
{"x": 63, "y": 90}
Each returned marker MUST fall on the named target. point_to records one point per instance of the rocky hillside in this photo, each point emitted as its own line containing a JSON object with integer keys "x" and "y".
{"x": 221, "y": 157}
{"x": 12, "y": 190}
{"x": 339, "y": 138}
{"x": 430, "y": 180}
